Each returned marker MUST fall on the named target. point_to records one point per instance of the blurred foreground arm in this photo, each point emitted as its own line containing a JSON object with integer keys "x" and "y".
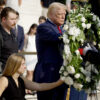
{"x": 41, "y": 86}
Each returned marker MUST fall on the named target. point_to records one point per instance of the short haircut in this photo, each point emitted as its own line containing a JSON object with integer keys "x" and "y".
{"x": 17, "y": 13}
{"x": 5, "y": 12}
{"x": 42, "y": 17}
{"x": 54, "y": 6}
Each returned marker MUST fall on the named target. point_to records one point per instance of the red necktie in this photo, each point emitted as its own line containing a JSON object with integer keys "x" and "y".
{"x": 59, "y": 29}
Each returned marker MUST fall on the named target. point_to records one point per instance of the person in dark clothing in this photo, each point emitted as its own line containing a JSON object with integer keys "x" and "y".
{"x": 12, "y": 84}
{"x": 19, "y": 33}
{"x": 49, "y": 52}
{"x": 9, "y": 43}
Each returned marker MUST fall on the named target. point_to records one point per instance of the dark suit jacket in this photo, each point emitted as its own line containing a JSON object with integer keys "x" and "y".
{"x": 49, "y": 52}
{"x": 20, "y": 36}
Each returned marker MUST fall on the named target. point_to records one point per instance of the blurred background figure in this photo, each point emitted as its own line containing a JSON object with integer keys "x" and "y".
{"x": 19, "y": 33}
{"x": 15, "y": 4}
{"x": 2, "y": 5}
{"x": 45, "y": 4}
{"x": 42, "y": 19}
{"x": 30, "y": 46}
{"x": 68, "y": 4}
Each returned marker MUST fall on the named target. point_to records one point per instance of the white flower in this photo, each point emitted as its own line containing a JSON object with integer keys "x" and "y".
{"x": 62, "y": 68}
{"x": 81, "y": 40}
{"x": 94, "y": 43}
{"x": 77, "y": 52}
{"x": 81, "y": 58}
{"x": 65, "y": 62}
{"x": 69, "y": 81}
{"x": 88, "y": 79}
{"x": 88, "y": 26}
{"x": 65, "y": 73}
{"x": 78, "y": 86}
{"x": 79, "y": 15}
{"x": 62, "y": 78}
{"x": 65, "y": 27}
{"x": 70, "y": 69}
{"x": 77, "y": 32}
{"x": 85, "y": 72}
{"x": 82, "y": 69}
{"x": 94, "y": 70}
{"x": 98, "y": 19}
{"x": 65, "y": 39}
{"x": 71, "y": 31}
{"x": 74, "y": 31}
{"x": 88, "y": 68}
{"x": 67, "y": 49}
{"x": 77, "y": 75}
{"x": 83, "y": 19}
{"x": 94, "y": 17}
{"x": 98, "y": 25}
{"x": 83, "y": 25}
{"x": 99, "y": 45}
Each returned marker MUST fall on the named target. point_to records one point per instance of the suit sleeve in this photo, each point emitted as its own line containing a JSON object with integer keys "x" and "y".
{"x": 22, "y": 40}
{"x": 47, "y": 34}
{"x": 93, "y": 57}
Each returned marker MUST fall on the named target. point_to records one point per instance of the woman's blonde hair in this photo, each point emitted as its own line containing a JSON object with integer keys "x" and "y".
{"x": 13, "y": 64}
{"x": 55, "y": 6}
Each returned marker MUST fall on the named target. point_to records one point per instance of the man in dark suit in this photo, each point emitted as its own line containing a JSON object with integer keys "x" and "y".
{"x": 49, "y": 51}
{"x": 19, "y": 33}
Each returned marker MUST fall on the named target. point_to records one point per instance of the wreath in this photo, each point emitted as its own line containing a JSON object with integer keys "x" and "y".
{"x": 80, "y": 26}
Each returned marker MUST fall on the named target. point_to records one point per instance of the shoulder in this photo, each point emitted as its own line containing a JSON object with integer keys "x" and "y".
{"x": 20, "y": 27}
{"x": 3, "y": 81}
{"x": 45, "y": 25}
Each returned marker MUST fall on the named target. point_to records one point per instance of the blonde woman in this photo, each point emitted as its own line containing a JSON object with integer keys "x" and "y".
{"x": 12, "y": 85}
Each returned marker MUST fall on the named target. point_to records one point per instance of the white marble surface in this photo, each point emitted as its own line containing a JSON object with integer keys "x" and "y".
{"x": 30, "y": 11}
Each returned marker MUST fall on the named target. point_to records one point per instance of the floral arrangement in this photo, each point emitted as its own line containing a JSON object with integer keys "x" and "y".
{"x": 79, "y": 28}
